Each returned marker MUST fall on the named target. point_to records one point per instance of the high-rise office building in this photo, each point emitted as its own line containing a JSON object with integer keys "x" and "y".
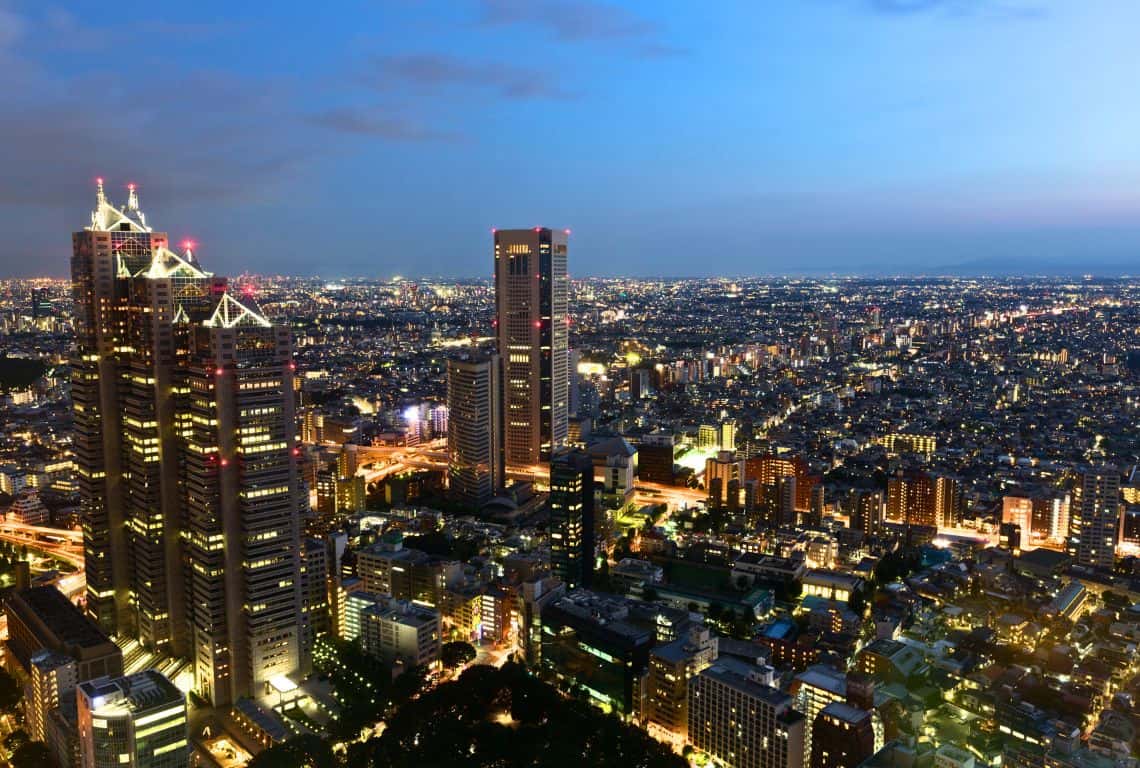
{"x": 532, "y": 319}
{"x": 138, "y": 720}
{"x": 572, "y": 521}
{"x": 243, "y": 503}
{"x": 106, "y": 256}
{"x": 184, "y": 441}
{"x": 742, "y": 721}
{"x": 1094, "y": 521}
{"x": 474, "y": 445}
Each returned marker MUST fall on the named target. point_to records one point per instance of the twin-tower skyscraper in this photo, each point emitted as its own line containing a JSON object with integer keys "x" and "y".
{"x": 185, "y": 444}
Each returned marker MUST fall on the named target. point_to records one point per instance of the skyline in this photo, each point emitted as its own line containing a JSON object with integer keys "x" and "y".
{"x": 846, "y": 137}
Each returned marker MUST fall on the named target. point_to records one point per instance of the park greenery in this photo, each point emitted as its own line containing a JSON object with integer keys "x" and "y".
{"x": 486, "y": 717}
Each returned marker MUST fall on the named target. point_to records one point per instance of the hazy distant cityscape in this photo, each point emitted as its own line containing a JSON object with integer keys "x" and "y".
{"x": 767, "y": 523}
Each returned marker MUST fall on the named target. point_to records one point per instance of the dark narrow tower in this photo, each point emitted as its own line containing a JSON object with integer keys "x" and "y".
{"x": 531, "y": 298}
{"x": 572, "y": 518}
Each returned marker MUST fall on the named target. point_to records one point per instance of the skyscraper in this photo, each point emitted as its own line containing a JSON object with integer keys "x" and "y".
{"x": 106, "y": 255}
{"x": 1095, "y": 517}
{"x": 531, "y": 299}
{"x": 572, "y": 518}
{"x": 243, "y": 503}
{"x": 184, "y": 448}
{"x": 474, "y": 445}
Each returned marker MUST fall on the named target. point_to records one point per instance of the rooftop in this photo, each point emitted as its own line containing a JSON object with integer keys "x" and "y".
{"x": 62, "y": 617}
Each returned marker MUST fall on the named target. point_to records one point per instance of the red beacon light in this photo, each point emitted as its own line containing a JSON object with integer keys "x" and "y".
{"x": 220, "y": 371}
{"x": 225, "y": 462}
{"x": 537, "y": 323}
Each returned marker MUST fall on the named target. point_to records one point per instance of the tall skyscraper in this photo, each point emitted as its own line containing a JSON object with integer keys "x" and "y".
{"x": 243, "y": 503}
{"x": 117, "y": 245}
{"x": 184, "y": 448}
{"x": 572, "y": 518}
{"x": 531, "y": 299}
{"x": 474, "y": 445}
{"x": 1095, "y": 517}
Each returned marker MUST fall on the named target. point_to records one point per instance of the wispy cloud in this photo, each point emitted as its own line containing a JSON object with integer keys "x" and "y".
{"x": 582, "y": 21}
{"x": 1013, "y": 9}
{"x": 441, "y": 70}
{"x": 66, "y": 31}
{"x": 370, "y": 122}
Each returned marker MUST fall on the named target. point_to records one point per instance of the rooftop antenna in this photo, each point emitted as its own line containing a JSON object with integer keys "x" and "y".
{"x": 98, "y": 220}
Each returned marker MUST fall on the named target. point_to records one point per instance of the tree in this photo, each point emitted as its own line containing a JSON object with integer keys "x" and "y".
{"x": 300, "y": 752}
{"x": 457, "y": 654}
{"x": 10, "y": 693}
{"x": 16, "y": 739}
{"x": 31, "y": 754}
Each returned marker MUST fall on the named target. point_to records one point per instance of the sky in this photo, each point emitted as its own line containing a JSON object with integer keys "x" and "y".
{"x": 673, "y": 137}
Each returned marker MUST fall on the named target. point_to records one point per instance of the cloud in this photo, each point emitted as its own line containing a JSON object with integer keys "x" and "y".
{"x": 1018, "y": 9}
{"x": 441, "y": 70}
{"x": 574, "y": 21}
{"x": 12, "y": 27}
{"x": 169, "y": 132}
{"x": 366, "y": 122}
{"x": 65, "y": 31}
{"x": 163, "y": 127}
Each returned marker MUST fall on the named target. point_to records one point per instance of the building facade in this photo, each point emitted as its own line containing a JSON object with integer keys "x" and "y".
{"x": 185, "y": 441}
{"x": 572, "y": 518}
{"x": 744, "y": 722}
{"x": 474, "y": 444}
{"x": 532, "y": 327}
{"x": 138, "y": 720}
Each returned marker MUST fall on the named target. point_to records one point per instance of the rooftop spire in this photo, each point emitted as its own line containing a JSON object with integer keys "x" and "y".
{"x": 132, "y": 198}
{"x": 100, "y": 197}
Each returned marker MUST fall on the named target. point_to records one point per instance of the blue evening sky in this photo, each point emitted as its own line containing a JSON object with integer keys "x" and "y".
{"x": 675, "y": 137}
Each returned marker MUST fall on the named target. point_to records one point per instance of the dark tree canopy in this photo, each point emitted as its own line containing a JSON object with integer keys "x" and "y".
{"x": 457, "y": 654}
{"x": 506, "y": 717}
{"x": 31, "y": 754}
